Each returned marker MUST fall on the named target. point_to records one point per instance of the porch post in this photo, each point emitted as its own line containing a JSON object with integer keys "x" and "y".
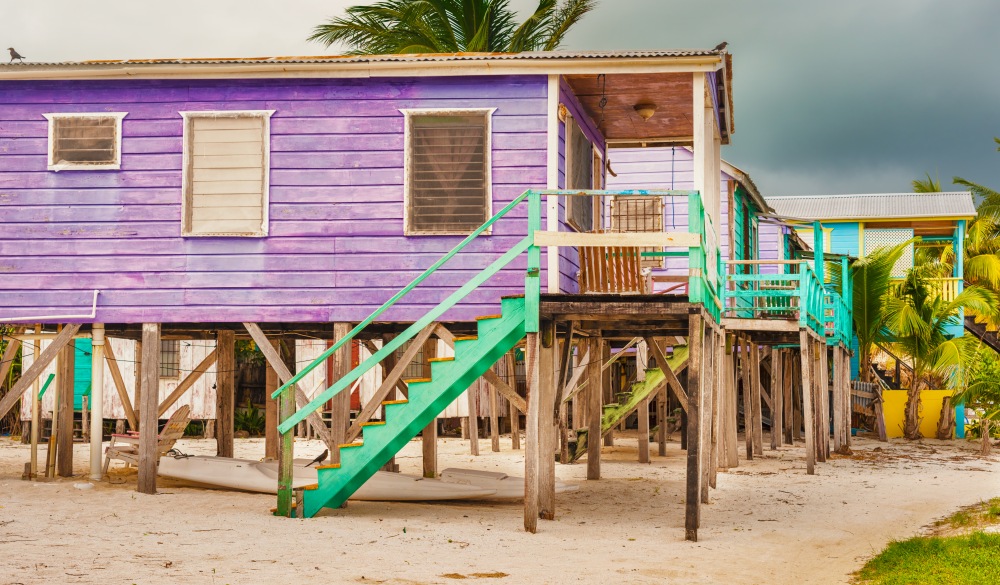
{"x": 97, "y": 402}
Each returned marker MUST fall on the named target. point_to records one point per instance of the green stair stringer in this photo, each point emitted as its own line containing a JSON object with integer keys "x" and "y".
{"x": 615, "y": 413}
{"x": 473, "y": 357}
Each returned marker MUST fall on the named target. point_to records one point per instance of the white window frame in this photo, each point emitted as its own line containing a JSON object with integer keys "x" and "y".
{"x": 265, "y": 115}
{"x": 408, "y": 114}
{"x": 597, "y": 184}
{"x": 74, "y": 166}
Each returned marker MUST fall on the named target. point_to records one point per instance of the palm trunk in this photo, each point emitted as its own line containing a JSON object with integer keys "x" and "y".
{"x": 985, "y": 447}
{"x": 946, "y": 422}
{"x": 911, "y": 426}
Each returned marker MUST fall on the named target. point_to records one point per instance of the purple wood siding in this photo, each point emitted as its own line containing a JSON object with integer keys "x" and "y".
{"x": 772, "y": 238}
{"x": 335, "y": 249}
{"x": 667, "y": 168}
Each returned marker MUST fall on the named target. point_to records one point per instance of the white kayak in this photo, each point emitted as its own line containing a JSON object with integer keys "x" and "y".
{"x": 506, "y": 487}
{"x": 262, "y": 477}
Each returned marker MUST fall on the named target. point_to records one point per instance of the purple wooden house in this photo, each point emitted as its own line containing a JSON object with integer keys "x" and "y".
{"x": 204, "y": 199}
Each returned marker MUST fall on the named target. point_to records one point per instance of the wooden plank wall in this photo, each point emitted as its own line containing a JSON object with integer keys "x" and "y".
{"x": 336, "y": 192}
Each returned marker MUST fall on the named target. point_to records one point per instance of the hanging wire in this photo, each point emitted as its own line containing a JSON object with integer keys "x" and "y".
{"x": 602, "y": 79}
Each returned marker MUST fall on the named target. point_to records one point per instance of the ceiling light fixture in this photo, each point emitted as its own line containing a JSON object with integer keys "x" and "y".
{"x": 645, "y": 110}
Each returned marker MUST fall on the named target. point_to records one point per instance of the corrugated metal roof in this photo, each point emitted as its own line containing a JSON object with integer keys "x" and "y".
{"x": 875, "y": 205}
{"x": 361, "y": 59}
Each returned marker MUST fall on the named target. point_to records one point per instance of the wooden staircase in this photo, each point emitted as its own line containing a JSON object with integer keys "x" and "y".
{"x": 428, "y": 397}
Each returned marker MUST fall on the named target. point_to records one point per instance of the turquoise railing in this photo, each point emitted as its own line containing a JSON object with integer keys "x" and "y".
{"x": 785, "y": 295}
{"x": 838, "y": 308}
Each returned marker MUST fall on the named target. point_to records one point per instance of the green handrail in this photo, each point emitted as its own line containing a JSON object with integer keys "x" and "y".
{"x": 410, "y": 332}
{"x": 392, "y": 301}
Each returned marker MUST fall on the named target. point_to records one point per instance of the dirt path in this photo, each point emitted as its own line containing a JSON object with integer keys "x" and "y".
{"x": 768, "y": 522}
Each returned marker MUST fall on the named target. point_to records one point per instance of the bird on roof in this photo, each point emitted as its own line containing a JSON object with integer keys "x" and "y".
{"x": 721, "y": 46}
{"x": 14, "y": 55}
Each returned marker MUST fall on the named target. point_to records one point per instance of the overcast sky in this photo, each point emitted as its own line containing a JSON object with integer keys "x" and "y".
{"x": 849, "y": 96}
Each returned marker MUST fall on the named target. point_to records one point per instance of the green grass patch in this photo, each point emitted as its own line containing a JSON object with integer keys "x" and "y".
{"x": 954, "y": 560}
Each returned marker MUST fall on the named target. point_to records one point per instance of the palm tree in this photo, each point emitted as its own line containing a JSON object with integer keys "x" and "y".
{"x": 982, "y": 392}
{"x": 450, "y": 26}
{"x": 990, "y": 199}
{"x": 927, "y": 185}
{"x": 918, "y": 317}
{"x": 871, "y": 277}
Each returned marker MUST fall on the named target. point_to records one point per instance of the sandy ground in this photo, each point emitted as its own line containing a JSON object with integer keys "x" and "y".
{"x": 768, "y": 522}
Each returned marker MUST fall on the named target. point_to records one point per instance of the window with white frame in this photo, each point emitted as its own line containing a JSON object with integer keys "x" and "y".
{"x": 579, "y": 176}
{"x": 226, "y": 173}
{"x": 448, "y": 186}
{"x": 85, "y": 141}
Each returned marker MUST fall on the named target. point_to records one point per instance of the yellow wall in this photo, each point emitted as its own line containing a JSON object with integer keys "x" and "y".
{"x": 894, "y": 408}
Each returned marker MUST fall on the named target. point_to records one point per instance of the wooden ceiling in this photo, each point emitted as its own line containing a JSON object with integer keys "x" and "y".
{"x": 670, "y": 92}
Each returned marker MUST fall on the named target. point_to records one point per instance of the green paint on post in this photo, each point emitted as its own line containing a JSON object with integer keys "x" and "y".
{"x": 45, "y": 386}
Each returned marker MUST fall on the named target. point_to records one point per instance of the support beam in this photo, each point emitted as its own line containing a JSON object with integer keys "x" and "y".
{"x": 286, "y": 457}
{"x": 284, "y": 373}
{"x": 9, "y": 355}
{"x": 531, "y": 463}
{"x": 823, "y": 402}
{"x": 271, "y": 383}
{"x": 732, "y": 432}
{"x": 747, "y": 396}
{"x": 37, "y": 367}
{"x": 643, "y": 431}
{"x": 838, "y": 401}
{"x": 148, "y": 459}
{"x": 515, "y": 415}
{"x": 805, "y": 348}
{"x": 494, "y": 419}
{"x": 607, "y": 392}
{"x": 788, "y": 382}
{"x": 225, "y": 388}
{"x": 707, "y": 434}
{"x": 96, "y": 402}
{"x": 672, "y": 382}
{"x": 116, "y": 377}
{"x": 755, "y": 398}
{"x": 777, "y": 392}
{"x": 187, "y": 382}
{"x": 472, "y": 394}
{"x": 340, "y": 416}
{"x": 692, "y": 506}
{"x": 548, "y": 434}
{"x": 64, "y": 410}
{"x": 594, "y": 410}
{"x": 429, "y": 435}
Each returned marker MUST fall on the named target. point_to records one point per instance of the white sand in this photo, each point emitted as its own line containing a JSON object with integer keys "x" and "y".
{"x": 768, "y": 522}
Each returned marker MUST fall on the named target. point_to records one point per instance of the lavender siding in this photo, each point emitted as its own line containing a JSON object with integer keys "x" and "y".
{"x": 335, "y": 250}
{"x": 667, "y": 168}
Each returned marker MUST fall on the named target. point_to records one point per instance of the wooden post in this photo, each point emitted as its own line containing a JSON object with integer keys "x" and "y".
{"x": 548, "y": 434}
{"x": 777, "y": 390}
{"x": 786, "y": 400}
{"x": 707, "y": 434}
{"x": 225, "y": 388}
{"x": 732, "y": 436}
{"x": 643, "y": 431}
{"x": 797, "y": 416}
{"x": 96, "y": 434}
{"x": 531, "y": 479}
{"x": 823, "y": 402}
{"x": 472, "y": 393}
{"x": 716, "y": 378}
{"x": 692, "y": 508}
{"x": 286, "y": 456}
{"x": 594, "y": 411}
{"x": 607, "y": 390}
{"x": 745, "y": 369}
{"x": 137, "y": 395}
{"x": 805, "y": 345}
{"x": 271, "y": 407}
{"x": 148, "y": 457}
{"x": 64, "y": 410}
{"x": 340, "y": 416}
{"x": 494, "y": 418}
{"x": 662, "y": 413}
{"x": 755, "y": 398}
{"x": 846, "y": 373}
{"x": 428, "y": 437}
{"x": 36, "y": 411}
{"x": 838, "y": 401}
{"x": 515, "y": 416}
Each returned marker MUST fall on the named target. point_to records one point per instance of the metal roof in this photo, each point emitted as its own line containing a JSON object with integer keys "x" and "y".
{"x": 361, "y": 59}
{"x": 875, "y": 206}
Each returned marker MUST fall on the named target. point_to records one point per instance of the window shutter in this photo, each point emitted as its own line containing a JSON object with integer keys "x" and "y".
{"x": 85, "y": 140}
{"x": 631, "y": 214}
{"x": 226, "y": 175}
{"x": 448, "y": 173}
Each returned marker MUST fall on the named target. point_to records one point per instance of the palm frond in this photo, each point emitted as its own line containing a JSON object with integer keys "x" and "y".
{"x": 927, "y": 185}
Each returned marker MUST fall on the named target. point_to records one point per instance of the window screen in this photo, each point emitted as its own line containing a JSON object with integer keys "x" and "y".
{"x": 170, "y": 358}
{"x": 85, "y": 141}
{"x": 226, "y": 174}
{"x": 448, "y": 173}
{"x": 632, "y": 214}
{"x": 579, "y": 175}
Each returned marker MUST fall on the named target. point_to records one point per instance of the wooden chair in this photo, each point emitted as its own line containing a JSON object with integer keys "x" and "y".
{"x": 126, "y": 447}
{"x": 611, "y": 269}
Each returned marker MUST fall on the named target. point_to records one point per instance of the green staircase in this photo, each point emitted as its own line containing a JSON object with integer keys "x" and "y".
{"x": 404, "y": 419}
{"x": 615, "y": 413}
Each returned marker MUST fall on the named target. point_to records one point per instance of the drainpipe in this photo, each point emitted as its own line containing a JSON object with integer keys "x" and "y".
{"x": 97, "y": 402}
{"x": 56, "y": 318}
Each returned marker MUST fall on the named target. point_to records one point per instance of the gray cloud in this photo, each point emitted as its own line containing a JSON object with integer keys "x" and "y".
{"x": 831, "y": 97}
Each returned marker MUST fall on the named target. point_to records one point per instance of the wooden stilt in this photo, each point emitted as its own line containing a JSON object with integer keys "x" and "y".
{"x": 531, "y": 463}
{"x": 798, "y": 419}
{"x": 662, "y": 412}
{"x": 137, "y": 395}
{"x": 823, "y": 402}
{"x": 732, "y": 377}
{"x": 777, "y": 393}
{"x": 271, "y": 408}
{"x": 806, "y": 349}
{"x": 594, "y": 409}
{"x": 745, "y": 369}
{"x": 707, "y": 447}
{"x": 515, "y": 415}
{"x": 846, "y": 373}
{"x": 43, "y": 360}
{"x": 643, "y": 432}
{"x": 755, "y": 399}
{"x": 494, "y": 419}
{"x": 429, "y": 436}
{"x": 286, "y": 456}
{"x": 692, "y": 509}
{"x": 148, "y": 405}
{"x": 607, "y": 390}
{"x": 718, "y": 394}
{"x": 788, "y": 382}
{"x": 472, "y": 394}
{"x": 548, "y": 434}
{"x": 838, "y": 406}
{"x": 64, "y": 410}
{"x": 225, "y": 387}
{"x": 340, "y": 415}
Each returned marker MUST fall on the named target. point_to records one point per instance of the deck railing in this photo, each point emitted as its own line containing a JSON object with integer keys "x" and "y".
{"x": 774, "y": 289}
{"x": 947, "y": 288}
